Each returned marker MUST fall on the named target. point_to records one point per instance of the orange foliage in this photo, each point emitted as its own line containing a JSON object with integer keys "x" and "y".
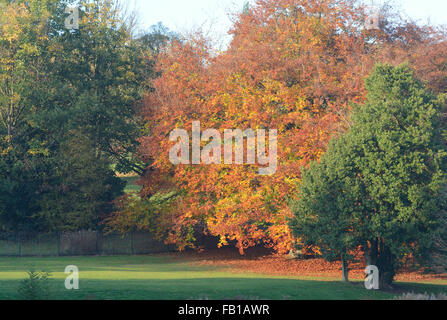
{"x": 293, "y": 65}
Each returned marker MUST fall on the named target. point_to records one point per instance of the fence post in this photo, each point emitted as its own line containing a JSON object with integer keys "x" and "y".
{"x": 132, "y": 248}
{"x": 19, "y": 242}
{"x": 58, "y": 243}
{"x": 98, "y": 234}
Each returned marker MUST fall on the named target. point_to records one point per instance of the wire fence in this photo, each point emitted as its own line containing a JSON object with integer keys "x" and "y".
{"x": 82, "y": 243}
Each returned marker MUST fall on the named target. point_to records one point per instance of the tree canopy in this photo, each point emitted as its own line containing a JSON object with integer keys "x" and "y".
{"x": 293, "y": 66}
{"x": 68, "y": 112}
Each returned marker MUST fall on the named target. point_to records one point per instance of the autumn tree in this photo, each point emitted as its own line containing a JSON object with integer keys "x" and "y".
{"x": 264, "y": 80}
{"x": 294, "y": 66}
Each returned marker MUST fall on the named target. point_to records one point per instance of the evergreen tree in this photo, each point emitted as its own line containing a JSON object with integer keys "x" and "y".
{"x": 381, "y": 185}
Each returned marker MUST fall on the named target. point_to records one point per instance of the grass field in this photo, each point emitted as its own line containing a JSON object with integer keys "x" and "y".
{"x": 164, "y": 278}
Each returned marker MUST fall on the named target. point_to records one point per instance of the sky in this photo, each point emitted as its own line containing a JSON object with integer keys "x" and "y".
{"x": 214, "y": 15}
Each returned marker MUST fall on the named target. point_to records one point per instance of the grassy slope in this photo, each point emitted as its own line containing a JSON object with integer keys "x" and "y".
{"x": 157, "y": 277}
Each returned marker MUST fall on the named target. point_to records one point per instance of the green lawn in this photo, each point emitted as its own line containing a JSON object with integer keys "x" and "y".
{"x": 157, "y": 277}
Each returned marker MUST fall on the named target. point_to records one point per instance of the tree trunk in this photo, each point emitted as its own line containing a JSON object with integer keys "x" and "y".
{"x": 367, "y": 258}
{"x": 345, "y": 269}
{"x": 386, "y": 280}
{"x": 370, "y": 252}
{"x": 385, "y": 262}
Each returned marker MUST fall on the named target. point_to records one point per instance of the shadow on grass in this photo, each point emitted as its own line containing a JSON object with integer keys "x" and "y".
{"x": 207, "y": 288}
{"x": 107, "y": 264}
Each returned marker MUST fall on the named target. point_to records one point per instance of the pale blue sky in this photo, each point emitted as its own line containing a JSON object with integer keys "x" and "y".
{"x": 212, "y": 15}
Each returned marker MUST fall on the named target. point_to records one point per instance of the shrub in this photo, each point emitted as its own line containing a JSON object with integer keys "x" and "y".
{"x": 36, "y": 287}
